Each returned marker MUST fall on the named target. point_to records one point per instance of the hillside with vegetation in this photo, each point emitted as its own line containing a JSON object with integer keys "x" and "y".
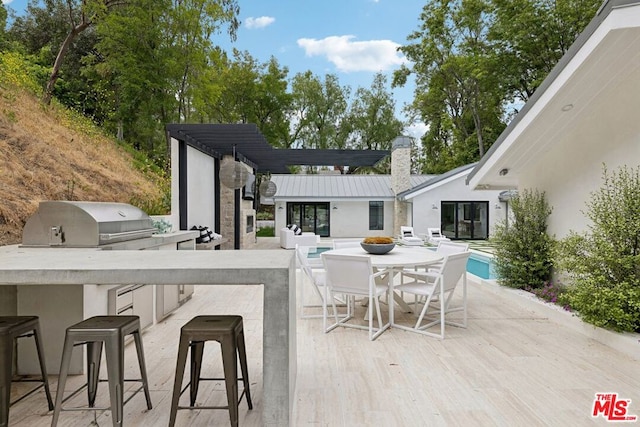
{"x": 52, "y": 153}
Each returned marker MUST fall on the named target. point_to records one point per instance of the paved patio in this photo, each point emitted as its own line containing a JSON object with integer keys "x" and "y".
{"x": 514, "y": 365}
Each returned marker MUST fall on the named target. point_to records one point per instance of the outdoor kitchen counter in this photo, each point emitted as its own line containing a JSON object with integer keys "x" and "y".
{"x": 273, "y": 269}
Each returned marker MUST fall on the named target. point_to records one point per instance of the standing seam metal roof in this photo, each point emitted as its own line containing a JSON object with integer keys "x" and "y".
{"x": 338, "y": 186}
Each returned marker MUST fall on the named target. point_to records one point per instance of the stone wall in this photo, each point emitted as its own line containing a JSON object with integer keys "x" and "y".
{"x": 227, "y": 218}
{"x": 400, "y": 179}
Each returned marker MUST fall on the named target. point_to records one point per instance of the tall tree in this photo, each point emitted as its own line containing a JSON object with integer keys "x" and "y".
{"x": 372, "y": 120}
{"x": 457, "y": 94}
{"x": 81, "y": 15}
{"x": 319, "y": 110}
{"x": 530, "y": 37}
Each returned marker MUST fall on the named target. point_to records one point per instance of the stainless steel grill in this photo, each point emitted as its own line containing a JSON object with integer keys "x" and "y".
{"x": 85, "y": 224}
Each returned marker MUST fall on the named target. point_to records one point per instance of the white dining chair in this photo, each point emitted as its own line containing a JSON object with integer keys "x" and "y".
{"x": 353, "y": 276}
{"x": 439, "y": 285}
{"x": 346, "y": 243}
{"x": 312, "y": 273}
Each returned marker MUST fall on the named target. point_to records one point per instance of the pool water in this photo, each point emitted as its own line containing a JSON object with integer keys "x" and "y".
{"x": 481, "y": 266}
{"x": 477, "y": 265}
{"x": 317, "y": 252}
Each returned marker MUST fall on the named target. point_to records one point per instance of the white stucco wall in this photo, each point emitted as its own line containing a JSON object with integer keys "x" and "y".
{"x": 454, "y": 190}
{"x": 572, "y": 168}
{"x": 200, "y": 183}
{"x": 350, "y": 219}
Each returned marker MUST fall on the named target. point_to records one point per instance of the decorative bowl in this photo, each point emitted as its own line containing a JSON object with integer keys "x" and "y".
{"x": 378, "y": 249}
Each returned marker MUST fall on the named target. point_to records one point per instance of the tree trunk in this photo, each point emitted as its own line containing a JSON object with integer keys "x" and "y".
{"x": 64, "y": 48}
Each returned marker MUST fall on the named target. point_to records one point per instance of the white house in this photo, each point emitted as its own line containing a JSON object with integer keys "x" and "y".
{"x": 370, "y": 205}
{"x": 337, "y": 205}
{"x": 583, "y": 116}
{"x": 446, "y": 201}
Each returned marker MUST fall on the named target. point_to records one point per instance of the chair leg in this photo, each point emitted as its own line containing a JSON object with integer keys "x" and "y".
{"x": 94, "y": 354}
{"x": 143, "y": 368}
{"x": 115, "y": 369}
{"x": 242, "y": 354}
{"x": 62, "y": 378}
{"x": 183, "y": 348}
{"x": 197, "y": 349}
{"x": 6, "y": 365}
{"x": 43, "y": 367}
{"x": 230, "y": 362}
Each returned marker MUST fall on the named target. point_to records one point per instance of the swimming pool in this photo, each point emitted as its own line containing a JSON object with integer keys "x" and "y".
{"x": 478, "y": 265}
{"x": 481, "y": 266}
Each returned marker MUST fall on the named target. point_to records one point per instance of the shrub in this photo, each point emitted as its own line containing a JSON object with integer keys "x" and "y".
{"x": 523, "y": 249}
{"x": 551, "y": 292}
{"x": 604, "y": 263}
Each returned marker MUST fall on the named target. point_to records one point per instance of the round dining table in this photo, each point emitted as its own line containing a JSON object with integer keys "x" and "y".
{"x": 399, "y": 258}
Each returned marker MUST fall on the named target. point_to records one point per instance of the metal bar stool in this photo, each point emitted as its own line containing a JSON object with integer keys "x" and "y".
{"x": 228, "y": 331}
{"x": 12, "y": 328}
{"x": 110, "y": 330}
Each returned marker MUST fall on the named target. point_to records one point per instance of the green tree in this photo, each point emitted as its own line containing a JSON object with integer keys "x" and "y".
{"x": 523, "y": 250}
{"x": 603, "y": 263}
{"x": 320, "y": 107}
{"x": 372, "y": 120}
{"x": 530, "y": 37}
{"x": 457, "y": 91}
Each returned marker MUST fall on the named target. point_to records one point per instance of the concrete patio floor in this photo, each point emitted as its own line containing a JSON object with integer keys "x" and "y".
{"x": 515, "y": 365}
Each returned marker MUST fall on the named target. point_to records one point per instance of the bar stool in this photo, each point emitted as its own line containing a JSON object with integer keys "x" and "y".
{"x": 12, "y": 328}
{"x": 110, "y": 330}
{"x": 228, "y": 331}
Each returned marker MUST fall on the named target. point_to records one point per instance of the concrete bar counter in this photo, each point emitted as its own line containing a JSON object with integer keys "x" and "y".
{"x": 275, "y": 270}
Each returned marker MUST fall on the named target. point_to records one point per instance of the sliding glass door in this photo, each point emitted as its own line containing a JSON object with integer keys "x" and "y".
{"x": 312, "y": 217}
{"x": 465, "y": 220}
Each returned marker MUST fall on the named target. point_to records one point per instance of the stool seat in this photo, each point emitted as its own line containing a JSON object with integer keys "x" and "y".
{"x": 94, "y": 332}
{"x": 12, "y": 328}
{"x": 228, "y": 331}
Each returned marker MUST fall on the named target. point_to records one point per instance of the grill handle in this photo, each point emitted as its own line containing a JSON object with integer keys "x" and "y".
{"x": 127, "y": 234}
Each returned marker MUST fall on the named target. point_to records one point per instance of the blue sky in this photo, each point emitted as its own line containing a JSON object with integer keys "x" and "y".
{"x": 352, "y": 39}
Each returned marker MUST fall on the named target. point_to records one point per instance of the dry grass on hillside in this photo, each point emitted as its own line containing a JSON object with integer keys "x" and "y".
{"x": 41, "y": 159}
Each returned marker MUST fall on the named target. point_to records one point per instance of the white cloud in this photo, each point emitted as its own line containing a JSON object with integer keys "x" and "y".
{"x": 348, "y": 55}
{"x": 261, "y": 22}
{"x": 6, "y": 1}
{"x": 416, "y": 130}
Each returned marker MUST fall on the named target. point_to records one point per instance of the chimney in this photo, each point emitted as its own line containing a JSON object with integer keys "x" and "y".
{"x": 400, "y": 179}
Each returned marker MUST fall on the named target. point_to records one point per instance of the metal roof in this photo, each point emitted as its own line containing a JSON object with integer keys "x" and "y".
{"x": 329, "y": 186}
{"x": 252, "y": 148}
{"x": 436, "y": 179}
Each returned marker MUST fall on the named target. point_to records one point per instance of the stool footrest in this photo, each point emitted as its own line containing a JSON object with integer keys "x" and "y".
{"x": 29, "y": 393}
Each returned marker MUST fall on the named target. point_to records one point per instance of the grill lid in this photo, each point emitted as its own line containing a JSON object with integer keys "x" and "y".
{"x": 85, "y": 224}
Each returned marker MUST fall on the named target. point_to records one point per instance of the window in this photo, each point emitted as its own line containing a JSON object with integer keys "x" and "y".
{"x": 465, "y": 220}
{"x": 376, "y": 215}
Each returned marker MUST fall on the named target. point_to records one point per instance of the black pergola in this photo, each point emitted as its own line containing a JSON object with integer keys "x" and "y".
{"x": 252, "y": 148}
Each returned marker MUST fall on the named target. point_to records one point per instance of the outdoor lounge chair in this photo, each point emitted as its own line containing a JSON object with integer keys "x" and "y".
{"x": 434, "y": 236}
{"x": 407, "y": 237}
{"x": 289, "y": 240}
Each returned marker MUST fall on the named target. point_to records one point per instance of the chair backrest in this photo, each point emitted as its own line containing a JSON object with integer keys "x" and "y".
{"x": 341, "y": 244}
{"x": 406, "y": 231}
{"x": 455, "y": 265}
{"x": 446, "y": 247}
{"x": 434, "y": 232}
{"x": 349, "y": 274}
{"x": 302, "y": 252}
